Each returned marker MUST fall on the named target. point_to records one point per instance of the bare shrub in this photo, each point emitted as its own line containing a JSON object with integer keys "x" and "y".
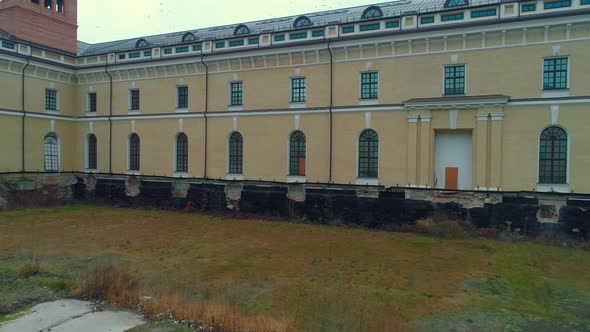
{"x": 116, "y": 285}
{"x": 30, "y": 269}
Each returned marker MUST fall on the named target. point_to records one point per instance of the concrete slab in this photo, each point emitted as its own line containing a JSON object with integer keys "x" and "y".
{"x": 103, "y": 321}
{"x": 70, "y": 316}
{"x": 45, "y": 315}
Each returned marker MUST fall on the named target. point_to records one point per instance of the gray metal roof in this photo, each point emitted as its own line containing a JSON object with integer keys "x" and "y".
{"x": 319, "y": 19}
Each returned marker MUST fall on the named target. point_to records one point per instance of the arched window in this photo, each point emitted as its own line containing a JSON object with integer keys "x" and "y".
{"x": 297, "y": 154}
{"x": 134, "y": 145}
{"x": 181, "y": 153}
{"x": 51, "y": 153}
{"x": 368, "y": 154}
{"x": 236, "y": 157}
{"x": 302, "y": 22}
{"x": 456, "y": 3}
{"x": 553, "y": 152}
{"x": 188, "y": 37}
{"x": 142, "y": 43}
{"x": 242, "y": 30}
{"x": 372, "y": 12}
{"x": 91, "y": 163}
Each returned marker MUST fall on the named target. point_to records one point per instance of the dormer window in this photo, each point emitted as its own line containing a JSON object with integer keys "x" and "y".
{"x": 302, "y": 22}
{"x": 242, "y": 30}
{"x": 142, "y": 43}
{"x": 372, "y": 12}
{"x": 456, "y": 3}
{"x": 188, "y": 37}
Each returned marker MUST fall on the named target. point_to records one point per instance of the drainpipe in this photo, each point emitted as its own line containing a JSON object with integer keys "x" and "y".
{"x": 106, "y": 70}
{"x": 205, "y": 113}
{"x": 331, "y": 105}
{"x": 24, "y": 111}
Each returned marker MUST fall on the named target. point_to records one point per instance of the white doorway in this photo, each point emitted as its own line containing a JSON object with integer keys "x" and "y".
{"x": 453, "y": 160}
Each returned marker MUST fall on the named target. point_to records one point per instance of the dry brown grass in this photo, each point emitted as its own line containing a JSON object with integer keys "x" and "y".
{"x": 120, "y": 286}
{"x": 30, "y": 269}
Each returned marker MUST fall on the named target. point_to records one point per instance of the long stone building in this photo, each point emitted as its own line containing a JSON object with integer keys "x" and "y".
{"x": 457, "y": 94}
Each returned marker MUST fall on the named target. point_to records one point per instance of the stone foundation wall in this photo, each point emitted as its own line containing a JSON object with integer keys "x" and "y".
{"x": 369, "y": 207}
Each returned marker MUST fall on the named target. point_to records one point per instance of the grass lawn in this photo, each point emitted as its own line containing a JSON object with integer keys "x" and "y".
{"x": 316, "y": 278}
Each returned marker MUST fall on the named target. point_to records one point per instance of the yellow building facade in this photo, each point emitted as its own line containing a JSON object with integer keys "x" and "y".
{"x": 460, "y": 96}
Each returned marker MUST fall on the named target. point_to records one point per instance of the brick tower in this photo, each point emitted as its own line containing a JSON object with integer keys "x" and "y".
{"x": 52, "y": 23}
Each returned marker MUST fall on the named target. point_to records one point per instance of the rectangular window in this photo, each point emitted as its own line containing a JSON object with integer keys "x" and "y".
{"x": 198, "y": 47}
{"x": 92, "y": 102}
{"x": 50, "y": 100}
{"x": 555, "y": 74}
{"x": 182, "y": 93}
{"x": 279, "y": 37}
{"x": 299, "y": 35}
{"x": 427, "y": 20}
{"x": 8, "y": 45}
{"x": 122, "y": 56}
{"x": 147, "y": 53}
{"x": 167, "y": 51}
{"x": 134, "y": 100}
{"x": 452, "y": 17}
{"x": 392, "y": 24}
{"x": 298, "y": 90}
{"x": 320, "y": 33}
{"x": 235, "y": 43}
{"x": 349, "y": 29}
{"x": 454, "y": 80}
{"x": 585, "y": 2}
{"x": 253, "y": 41}
{"x": 220, "y": 45}
{"x": 370, "y": 85}
{"x": 558, "y": 4}
{"x": 531, "y": 7}
{"x": 183, "y": 49}
{"x": 370, "y": 27}
{"x": 237, "y": 94}
{"x": 134, "y": 55}
{"x": 483, "y": 13}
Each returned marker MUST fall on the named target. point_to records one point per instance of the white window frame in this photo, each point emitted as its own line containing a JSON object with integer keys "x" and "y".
{"x": 58, "y": 153}
{"x": 373, "y": 101}
{"x": 552, "y": 187}
{"x": 296, "y": 178}
{"x": 297, "y": 104}
{"x": 560, "y": 92}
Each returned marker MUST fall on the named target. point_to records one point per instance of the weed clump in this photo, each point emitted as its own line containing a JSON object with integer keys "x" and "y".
{"x": 30, "y": 269}
{"x": 116, "y": 285}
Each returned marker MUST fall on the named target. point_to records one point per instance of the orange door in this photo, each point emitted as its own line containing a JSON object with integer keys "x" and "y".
{"x": 301, "y": 169}
{"x": 452, "y": 178}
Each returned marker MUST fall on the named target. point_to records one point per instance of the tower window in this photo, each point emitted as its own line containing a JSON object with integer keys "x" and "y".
{"x": 368, "y": 154}
{"x": 182, "y": 153}
{"x": 454, "y": 80}
{"x": 298, "y": 90}
{"x": 92, "y": 155}
{"x": 134, "y": 144}
{"x": 297, "y": 154}
{"x": 59, "y": 6}
{"x": 372, "y": 12}
{"x": 51, "y": 154}
{"x": 236, "y": 157}
{"x": 553, "y": 157}
{"x": 370, "y": 85}
{"x": 555, "y": 74}
{"x": 50, "y": 100}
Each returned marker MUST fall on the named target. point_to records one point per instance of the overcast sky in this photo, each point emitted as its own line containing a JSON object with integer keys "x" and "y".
{"x": 108, "y": 20}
